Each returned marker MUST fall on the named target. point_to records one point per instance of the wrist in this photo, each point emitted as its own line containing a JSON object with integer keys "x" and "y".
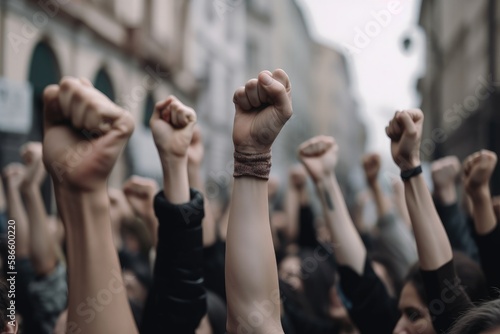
{"x": 445, "y": 194}
{"x": 479, "y": 195}
{"x": 409, "y": 164}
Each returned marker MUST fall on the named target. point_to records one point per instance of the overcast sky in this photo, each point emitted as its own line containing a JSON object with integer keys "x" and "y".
{"x": 384, "y": 73}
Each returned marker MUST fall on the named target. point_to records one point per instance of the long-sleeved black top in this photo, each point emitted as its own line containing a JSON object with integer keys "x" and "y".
{"x": 177, "y": 301}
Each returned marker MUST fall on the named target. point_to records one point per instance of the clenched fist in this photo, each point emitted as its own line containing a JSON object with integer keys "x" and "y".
{"x": 263, "y": 106}
{"x": 405, "y": 131}
{"x": 319, "y": 155}
{"x": 298, "y": 176}
{"x": 14, "y": 174}
{"x": 445, "y": 171}
{"x": 85, "y": 133}
{"x": 140, "y": 193}
{"x": 478, "y": 168}
{"x": 371, "y": 166}
{"x": 31, "y": 154}
{"x": 172, "y": 124}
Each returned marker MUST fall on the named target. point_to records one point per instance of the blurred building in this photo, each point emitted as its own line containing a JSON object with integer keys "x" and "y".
{"x": 460, "y": 89}
{"x": 140, "y": 51}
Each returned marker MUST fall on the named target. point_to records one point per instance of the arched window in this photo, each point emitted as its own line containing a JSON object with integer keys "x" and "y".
{"x": 44, "y": 71}
{"x": 103, "y": 82}
{"x": 148, "y": 109}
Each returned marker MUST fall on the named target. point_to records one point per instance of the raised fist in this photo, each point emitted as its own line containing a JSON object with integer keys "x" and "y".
{"x": 263, "y": 106}
{"x": 140, "y": 193}
{"x": 319, "y": 155}
{"x": 298, "y": 176}
{"x": 445, "y": 171}
{"x": 196, "y": 150}
{"x": 371, "y": 166}
{"x": 31, "y": 154}
{"x": 85, "y": 133}
{"x": 172, "y": 124}
{"x": 478, "y": 168}
{"x": 405, "y": 131}
{"x": 14, "y": 174}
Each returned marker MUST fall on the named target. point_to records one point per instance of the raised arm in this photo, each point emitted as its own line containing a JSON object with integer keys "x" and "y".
{"x": 263, "y": 107}
{"x": 14, "y": 174}
{"x": 433, "y": 246}
{"x": 84, "y": 135}
{"x": 177, "y": 301}
{"x": 371, "y": 166}
{"x": 478, "y": 169}
{"x": 42, "y": 248}
{"x": 319, "y": 156}
{"x": 195, "y": 159}
{"x": 444, "y": 176}
{"x": 140, "y": 193}
{"x": 296, "y": 197}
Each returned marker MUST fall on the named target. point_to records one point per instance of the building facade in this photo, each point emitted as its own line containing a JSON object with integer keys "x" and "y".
{"x": 460, "y": 88}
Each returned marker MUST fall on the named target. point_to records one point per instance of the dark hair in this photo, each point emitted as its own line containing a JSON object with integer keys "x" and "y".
{"x": 390, "y": 267}
{"x": 470, "y": 274}
{"x": 4, "y": 304}
{"x": 479, "y": 319}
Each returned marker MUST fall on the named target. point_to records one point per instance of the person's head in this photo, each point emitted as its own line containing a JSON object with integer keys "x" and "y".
{"x": 484, "y": 319}
{"x": 415, "y": 314}
{"x": 8, "y": 324}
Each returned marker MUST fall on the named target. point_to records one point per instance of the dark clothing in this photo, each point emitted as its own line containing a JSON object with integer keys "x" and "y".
{"x": 177, "y": 301}
{"x": 447, "y": 301}
{"x": 371, "y": 308}
{"x": 457, "y": 229}
{"x": 307, "y": 232}
{"x": 213, "y": 268}
{"x": 489, "y": 250}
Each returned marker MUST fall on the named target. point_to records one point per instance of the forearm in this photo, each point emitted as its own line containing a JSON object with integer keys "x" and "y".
{"x": 251, "y": 273}
{"x": 209, "y": 226}
{"x": 349, "y": 248}
{"x": 484, "y": 215}
{"x": 175, "y": 180}
{"x": 42, "y": 250}
{"x": 16, "y": 211}
{"x": 383, "y": 206}
{"x": 433, "y": 246}
{"x": 292, "y": 207}
{"x": 93, "y": 268}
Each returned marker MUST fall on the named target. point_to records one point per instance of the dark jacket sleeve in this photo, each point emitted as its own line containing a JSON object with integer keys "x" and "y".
{"x": 489, "y": 250}
{"x": 177, "y": 301}
{"x": 307, "y": 232}
{"x": 457, "y": 229}
{"x": 370, "y": 307}
{"x": 446, "y": 297}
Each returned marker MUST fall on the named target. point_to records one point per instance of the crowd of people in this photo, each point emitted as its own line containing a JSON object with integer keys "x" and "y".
{"x": 153, "y": 258}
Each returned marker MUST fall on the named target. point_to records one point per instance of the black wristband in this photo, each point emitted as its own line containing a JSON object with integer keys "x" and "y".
{"x": 408, "y": 174}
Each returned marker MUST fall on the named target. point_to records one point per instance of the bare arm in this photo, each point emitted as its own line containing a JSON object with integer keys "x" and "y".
{"x": 195, "y": 159}
{"x": 319, "y": 155}
{"x": 14, "y": 176}
{"x": 371, "y": 166}
{"x": 251, "y": 273}
{"x": 97, "y": 300}
{"x": 43, "y": 251}
{"x": 296, "y": 196}
{"x": 433, "y": 246}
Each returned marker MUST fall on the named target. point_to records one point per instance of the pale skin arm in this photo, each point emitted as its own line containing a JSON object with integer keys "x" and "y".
{"x": 42, "y": 250}
{"x": 371, "y": 166}
{"x": 478, "y": 169}
{"x": 195, "y": 159}
{"x": 14, "y": 176}
{"x": 433, "y": 246}
{"x": 251, "y": 273}
{"x": 444, "y": 174}
{"x": 319, "y": 155}
{"x": 83, "y": 202}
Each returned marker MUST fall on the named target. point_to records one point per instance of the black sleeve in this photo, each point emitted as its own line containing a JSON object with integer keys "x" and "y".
{"x": 307, "y": 232}
{"x": 370, "y": 307}
{"x": 489, "y": 250}
{"x": 177, "y": 301}
{"x": 457, "y": 229}
{"x": 446, "y": 297}
{"x": 213, "y": 268}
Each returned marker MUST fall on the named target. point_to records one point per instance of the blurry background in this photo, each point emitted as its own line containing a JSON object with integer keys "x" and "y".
{"x": 351, "y": 63}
